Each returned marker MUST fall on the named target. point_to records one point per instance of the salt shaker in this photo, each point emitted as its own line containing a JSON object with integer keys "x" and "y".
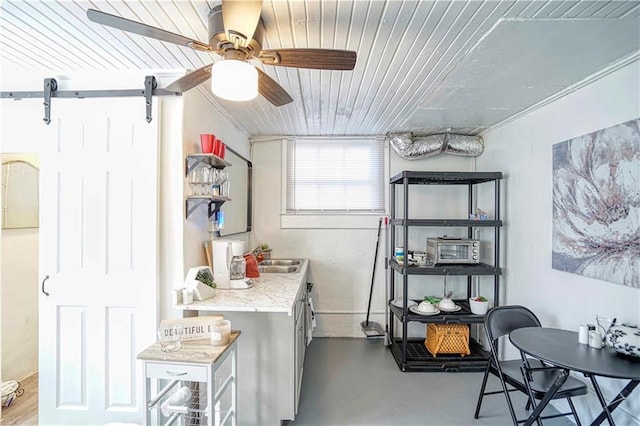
{"x": 595, "y": 339}
{"x": 583, "y": 334}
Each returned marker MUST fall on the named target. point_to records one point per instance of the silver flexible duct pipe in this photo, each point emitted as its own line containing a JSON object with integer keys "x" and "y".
{"x": 410, "y": 148}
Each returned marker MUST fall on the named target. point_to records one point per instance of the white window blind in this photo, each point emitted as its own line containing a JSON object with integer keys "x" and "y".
{"x": 335, "y": 175}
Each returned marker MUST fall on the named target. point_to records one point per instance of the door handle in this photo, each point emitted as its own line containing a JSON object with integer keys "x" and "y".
{"x": 43, "y": 281}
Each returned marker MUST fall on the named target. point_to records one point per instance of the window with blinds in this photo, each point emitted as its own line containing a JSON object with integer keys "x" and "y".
{"x": 335, "y": 176}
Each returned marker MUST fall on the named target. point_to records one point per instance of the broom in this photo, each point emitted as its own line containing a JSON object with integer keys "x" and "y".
{"x": 372, "y": 329}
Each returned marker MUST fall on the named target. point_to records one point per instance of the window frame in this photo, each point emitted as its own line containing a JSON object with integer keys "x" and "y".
{"x": 332, "y": 220}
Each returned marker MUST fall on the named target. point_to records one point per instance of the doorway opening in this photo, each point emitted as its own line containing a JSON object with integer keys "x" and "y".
{"x": 19, "y": 293}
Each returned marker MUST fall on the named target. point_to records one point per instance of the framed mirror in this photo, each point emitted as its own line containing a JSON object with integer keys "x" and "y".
{"x": 238, "y": 211}
{"x": 20, "y": 192}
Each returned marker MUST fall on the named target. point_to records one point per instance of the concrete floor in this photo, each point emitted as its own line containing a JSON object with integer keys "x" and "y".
{"x": 357, "y": 382}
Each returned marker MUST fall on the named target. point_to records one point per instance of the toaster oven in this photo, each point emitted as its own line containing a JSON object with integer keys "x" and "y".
{"x": 447, "y": 250}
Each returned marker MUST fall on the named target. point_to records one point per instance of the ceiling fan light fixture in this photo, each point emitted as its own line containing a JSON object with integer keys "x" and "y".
{"x": 234, "y": 80}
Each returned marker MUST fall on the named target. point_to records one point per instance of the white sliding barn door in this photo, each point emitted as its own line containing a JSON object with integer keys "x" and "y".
{"x": 98, "y": 245}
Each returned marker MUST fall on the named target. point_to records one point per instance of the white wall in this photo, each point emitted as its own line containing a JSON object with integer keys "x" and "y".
{"x": 522, "y": 149}
{"x": 19, "y": 303}
{"x": 171, "y": 208}
{"x": 201, "y": 116}
{"x": 342, "y": 259}
{"x": 182, "y": 239}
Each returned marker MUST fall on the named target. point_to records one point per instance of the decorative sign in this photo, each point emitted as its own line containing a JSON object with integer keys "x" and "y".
{"x": 192, "y": 328}
{"x": 596, "y": 204}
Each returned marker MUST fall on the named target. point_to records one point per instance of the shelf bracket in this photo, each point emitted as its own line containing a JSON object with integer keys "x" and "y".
{"x": 50, "y": 86}
{"x": 213, "y": 205}
{"x": 192, "y": 204}
{"x": 194, "y": 163}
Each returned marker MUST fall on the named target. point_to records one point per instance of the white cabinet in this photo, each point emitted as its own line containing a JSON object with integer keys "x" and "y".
{"x": 203, "y": 374}
{"x": 272, "y": 348}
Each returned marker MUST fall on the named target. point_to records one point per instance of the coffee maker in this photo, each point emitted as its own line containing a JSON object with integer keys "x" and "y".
{"x": 229, "y": 266}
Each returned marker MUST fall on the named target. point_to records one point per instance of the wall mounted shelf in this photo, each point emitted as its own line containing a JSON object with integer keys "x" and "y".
{"x": 193, "y": 160}
{"x": 192, "y": 202}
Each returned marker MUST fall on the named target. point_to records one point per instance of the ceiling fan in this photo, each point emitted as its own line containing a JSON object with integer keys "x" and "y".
{"x": 235, "y": 33}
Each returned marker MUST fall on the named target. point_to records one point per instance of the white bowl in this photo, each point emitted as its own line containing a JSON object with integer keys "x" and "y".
{"x": 478, "y": 308}
{"x": 426, "y": 307}
{"x": 399, "y": 303}
{"x": 447, "y": 304}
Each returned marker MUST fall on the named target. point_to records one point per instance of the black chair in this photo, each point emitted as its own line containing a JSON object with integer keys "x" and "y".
{"x": 526, "y": 375}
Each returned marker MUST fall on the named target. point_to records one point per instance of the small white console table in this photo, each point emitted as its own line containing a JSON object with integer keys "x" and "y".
{"x": 210, "y": 374}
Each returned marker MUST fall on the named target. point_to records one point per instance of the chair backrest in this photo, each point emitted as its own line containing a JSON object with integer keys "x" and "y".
{"x": 502, "y": 320}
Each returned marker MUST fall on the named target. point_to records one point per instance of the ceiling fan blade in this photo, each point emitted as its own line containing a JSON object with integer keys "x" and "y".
{"x": 240, "y": 18}
{"x": 272, "y": 91}
{"x": 144, "y": 30}
{"x": 322, "y": 59}
{"x": 191, "y": 80}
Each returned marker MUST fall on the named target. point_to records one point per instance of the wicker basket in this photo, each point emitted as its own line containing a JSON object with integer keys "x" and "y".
{"x": 447, "y": 339}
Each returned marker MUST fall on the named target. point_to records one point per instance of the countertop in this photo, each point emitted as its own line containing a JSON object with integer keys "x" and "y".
{"x": 194, "y": 351}
{"x": 270, "y": 293}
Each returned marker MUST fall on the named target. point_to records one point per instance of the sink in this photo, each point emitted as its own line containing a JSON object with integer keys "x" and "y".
{"x": 279, "y": 266}
{"x": 280, "y": 262}
{"x": 278, "y": 269}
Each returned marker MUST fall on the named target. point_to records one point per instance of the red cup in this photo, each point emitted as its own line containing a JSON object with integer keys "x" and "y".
{"x": 207, "y": 142}
{"x": 223, "y": 150}
{"x": 217, "y": 148}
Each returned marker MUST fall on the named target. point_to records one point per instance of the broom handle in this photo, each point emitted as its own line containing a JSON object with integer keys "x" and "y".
{"x": 373, "y": 273}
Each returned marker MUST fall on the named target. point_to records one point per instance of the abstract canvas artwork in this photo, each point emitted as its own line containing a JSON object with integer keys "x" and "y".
{"x": 596, "y": 204}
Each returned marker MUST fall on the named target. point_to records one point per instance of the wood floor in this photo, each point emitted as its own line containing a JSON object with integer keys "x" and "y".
{"x": 24, "y": 409}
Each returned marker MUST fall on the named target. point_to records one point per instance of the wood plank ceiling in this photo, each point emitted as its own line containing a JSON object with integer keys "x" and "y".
{"x": 423, "y": 66}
